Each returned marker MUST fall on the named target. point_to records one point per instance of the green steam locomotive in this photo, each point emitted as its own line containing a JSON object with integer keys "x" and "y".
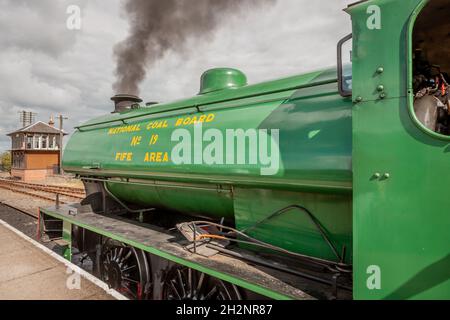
{"x": 332, "y": 184}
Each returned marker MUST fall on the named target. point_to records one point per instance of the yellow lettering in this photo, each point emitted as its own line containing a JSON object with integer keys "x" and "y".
{"x": 154, "y": 138}
{"x": 186, "y": 121}
{"x": 130, "y": 156}
{"x": 210, "y": 117}
{"x": 136, "y": 140}
{"x": 156, "y": 157}
{"x": 193, "y": 120}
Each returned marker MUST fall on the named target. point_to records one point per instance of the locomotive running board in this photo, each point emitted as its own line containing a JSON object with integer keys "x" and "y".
{"x": 265, "y": 281}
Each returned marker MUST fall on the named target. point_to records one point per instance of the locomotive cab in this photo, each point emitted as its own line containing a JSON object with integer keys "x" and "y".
{"x": 431, "y": 67}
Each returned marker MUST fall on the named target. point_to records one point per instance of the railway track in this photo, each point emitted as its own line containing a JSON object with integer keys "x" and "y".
{"x": 71, "y": 190}
{"x": 44, "y": 192}
{"x": 46, "y": 186}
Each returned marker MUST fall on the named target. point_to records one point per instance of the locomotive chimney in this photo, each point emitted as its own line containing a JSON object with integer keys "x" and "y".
{"x": 124, "y": 102}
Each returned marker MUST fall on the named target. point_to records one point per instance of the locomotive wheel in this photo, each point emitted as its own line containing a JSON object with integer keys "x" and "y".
{"x": 125, "y": 269}
{"x": 182, "y": 283}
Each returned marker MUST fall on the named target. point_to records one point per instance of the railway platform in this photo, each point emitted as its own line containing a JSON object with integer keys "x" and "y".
{"x": 30, "y": 271}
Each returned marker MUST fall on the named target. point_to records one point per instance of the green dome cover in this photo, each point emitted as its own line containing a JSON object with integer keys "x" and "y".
{"x": 222, "y": 78}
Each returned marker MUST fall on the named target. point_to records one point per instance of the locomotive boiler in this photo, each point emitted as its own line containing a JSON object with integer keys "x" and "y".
{"x": 133, "y": 152}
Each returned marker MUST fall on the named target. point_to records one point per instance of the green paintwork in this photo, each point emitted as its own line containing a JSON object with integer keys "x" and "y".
{"x": 219, "y": 98}
{"x": 315, "y": 149}
{"x": 67, "y": 237}
{"x": 401, "y": 224}
{"x": 331, "y": 150}
{"x": 220, "y": 79}
{"x": 294, "y": 230}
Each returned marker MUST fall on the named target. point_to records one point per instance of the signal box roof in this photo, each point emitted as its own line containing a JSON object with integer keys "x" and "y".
{"x": 38, "y": 127}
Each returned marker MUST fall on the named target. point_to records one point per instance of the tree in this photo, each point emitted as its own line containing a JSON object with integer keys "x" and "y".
{"x": 5, "y": 161}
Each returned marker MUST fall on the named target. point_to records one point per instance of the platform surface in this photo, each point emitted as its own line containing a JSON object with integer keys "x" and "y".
{"x": 28, "y": 273}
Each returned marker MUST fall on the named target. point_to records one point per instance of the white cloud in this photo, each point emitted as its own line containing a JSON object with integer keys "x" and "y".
{"x": 289, "y": 38}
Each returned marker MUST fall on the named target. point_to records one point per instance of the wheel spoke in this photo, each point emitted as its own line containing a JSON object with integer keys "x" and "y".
{"x": 129, "y": 268}
{"x": 180, "y": 278}
{"x": 127, "y": 255}
{"x": 120, "y": 253}
{"x": 175, "y": 289}
{"x": 200, "y": 282}
{"x": 129, "y": 279}
{"x": 190, "y": 286}
{"x": 209, "y": 295}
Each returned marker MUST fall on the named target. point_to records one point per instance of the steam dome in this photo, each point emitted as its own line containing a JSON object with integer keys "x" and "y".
{"x": 222, "y": 78}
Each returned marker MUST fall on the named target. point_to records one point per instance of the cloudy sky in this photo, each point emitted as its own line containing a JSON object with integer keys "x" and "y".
{"x": 48, "y": 69}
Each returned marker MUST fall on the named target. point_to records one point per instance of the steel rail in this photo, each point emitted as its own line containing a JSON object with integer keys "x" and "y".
{"x": 10, "y": 185}
{"x": 29, "y": 193}
{"x": 56, "y": 187}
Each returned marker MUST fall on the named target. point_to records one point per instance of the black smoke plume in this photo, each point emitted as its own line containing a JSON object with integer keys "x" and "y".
{"x": 157, "y": 26}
